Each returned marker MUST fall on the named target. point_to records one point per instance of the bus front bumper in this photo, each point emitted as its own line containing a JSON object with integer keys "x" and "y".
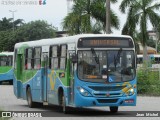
{"x": 84, "y": 101}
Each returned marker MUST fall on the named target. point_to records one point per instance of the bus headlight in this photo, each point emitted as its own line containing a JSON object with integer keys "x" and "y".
{"x": 83, "y": 91}
{"x": 131, "y": 91}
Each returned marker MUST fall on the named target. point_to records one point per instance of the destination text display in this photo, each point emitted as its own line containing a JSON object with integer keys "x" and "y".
{"x": 105, "y": 42}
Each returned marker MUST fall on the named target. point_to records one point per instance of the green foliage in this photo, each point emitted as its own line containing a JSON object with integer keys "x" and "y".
{"x": 88, "y": 16}
{"x": 34, "y": 30}
{"x": 139, "y": 13}
{"x": 148, "y": 82}
{"x": 7, "y": 24}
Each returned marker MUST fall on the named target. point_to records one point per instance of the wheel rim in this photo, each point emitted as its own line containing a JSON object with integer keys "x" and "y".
{"x": 29, "y": 98}
{"x": 63, "y": 103}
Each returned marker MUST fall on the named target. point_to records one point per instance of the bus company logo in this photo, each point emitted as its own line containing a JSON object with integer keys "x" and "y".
{"x": 42, "y": 2}
{"x": 6, "y": 114}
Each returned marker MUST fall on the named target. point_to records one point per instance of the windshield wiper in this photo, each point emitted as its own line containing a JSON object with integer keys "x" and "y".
{"x": 94, "y": 54}
{"x": 117, "y": 58}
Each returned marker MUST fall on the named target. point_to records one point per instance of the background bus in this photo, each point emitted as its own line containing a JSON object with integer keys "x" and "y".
{"x": 154, "y": 60}
{"x": 77, "y": 71}
{"x": 6, "y": 71}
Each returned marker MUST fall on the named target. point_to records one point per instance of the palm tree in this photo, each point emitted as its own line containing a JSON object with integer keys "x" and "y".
{"x": 139, "y": 13}
{"x": 87, "y": 16}
{"x": 7, "y": 24}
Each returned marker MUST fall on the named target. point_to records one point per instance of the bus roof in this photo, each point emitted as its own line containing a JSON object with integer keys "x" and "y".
{"x": 65, "y": 40}
{"x": 6, "y": 53}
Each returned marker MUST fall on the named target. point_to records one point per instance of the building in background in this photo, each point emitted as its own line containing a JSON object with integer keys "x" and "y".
{"x": 154, "y": 35}
{"x": 150, "y": 50}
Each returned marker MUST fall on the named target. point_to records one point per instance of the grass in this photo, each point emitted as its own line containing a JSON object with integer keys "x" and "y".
{"x": 148, "y": 82}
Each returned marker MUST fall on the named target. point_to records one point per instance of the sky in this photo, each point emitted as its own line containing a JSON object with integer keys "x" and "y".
{"x": 52, "y": 11}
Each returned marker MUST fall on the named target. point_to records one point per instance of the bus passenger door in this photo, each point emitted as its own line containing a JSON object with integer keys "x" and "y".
{"x": 44, "y": 75}
{"x": 19, "y": 75}
{"x": 71, "y": 51}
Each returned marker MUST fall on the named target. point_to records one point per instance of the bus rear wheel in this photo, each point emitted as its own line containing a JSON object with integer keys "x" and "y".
{"x": 62, "y": 102}
{"x": 114, "y": 109}
{"x": 31, "y": 104}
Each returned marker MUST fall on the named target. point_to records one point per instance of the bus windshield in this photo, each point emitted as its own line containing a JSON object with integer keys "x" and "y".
{"x": 5, "y": 61}
{"x": 112, "y": 65}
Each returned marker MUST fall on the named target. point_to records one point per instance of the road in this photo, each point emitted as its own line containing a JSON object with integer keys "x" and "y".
{"x": 9, "y": 102}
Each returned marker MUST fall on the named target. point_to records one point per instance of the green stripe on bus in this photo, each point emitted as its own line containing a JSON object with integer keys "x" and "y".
{"x": 4, "y": 69}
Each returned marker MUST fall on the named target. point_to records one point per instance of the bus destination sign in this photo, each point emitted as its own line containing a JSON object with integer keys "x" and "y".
{"x": 105, "y": 42}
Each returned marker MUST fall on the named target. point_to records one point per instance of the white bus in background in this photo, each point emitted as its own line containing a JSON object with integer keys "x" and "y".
{"x": 153, "y": 58}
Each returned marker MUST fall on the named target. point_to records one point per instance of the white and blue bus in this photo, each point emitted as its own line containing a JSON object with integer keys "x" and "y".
{"x": 154, "y": 60}
{"x": 77, "y": 71}
{"x": 6, "y": 71}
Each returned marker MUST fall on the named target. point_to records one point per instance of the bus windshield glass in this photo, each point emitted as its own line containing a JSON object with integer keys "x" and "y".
{"x": 5, "y": 61}
{"x": 112, "y": 65}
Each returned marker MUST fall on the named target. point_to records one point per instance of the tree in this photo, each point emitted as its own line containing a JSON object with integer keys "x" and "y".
{"x": 6, "y": 24}
{"x": 139, "y": 12}
{"x": 86, "y": 14}
{"x": 34, "y": 30}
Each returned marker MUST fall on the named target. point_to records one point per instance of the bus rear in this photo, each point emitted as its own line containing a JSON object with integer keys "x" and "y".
{"x": 6, "y": 71}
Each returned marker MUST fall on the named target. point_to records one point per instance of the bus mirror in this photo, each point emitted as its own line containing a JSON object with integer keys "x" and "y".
{"x": 74, "y": 58}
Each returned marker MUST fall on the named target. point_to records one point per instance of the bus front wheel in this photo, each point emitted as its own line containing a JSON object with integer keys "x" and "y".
{"x": 114, "y": 109}
{"x": 31, "y": 104}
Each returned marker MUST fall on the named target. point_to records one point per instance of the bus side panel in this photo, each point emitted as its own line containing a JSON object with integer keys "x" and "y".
{"x": 19, "y": 89}
{"x": 54, "y": 83}
{"x": 14, "y": 86}
{"x": 37, "y": 86}
{"x": 7, "y": 75}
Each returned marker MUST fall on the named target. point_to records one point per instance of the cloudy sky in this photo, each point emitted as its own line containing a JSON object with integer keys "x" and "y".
{"x": 53, "y": 11}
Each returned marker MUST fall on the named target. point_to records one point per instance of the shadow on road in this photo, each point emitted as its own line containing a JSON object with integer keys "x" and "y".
{"x": 56, "y": 111}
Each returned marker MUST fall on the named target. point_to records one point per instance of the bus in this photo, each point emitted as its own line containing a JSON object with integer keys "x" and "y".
{"x": 154, "y": 60}
{"x": 77, "y": 71}
{"x": 6, "y": 71}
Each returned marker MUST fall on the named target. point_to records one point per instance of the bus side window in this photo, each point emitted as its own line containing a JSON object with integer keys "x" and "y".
{"x": 10, "y": 60}
{"x": 3, "y": 61}
{"x": 63, "y": 57}
{"x": 28, "y": 58}
{"x": 54, "y": 64}
{"x": 37, "y": 58}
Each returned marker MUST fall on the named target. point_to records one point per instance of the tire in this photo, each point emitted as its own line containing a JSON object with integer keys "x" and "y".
{"x": 63, "y": 103}
{"x": 11, "y": 82}
{"x": 114, "y": 109}
{"x": 31, "y": 104}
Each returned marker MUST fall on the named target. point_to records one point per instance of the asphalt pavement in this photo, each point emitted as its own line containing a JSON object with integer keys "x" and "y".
{"x": 147, "y": 105}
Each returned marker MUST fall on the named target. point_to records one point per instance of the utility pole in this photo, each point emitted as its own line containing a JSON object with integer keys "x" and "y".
{"x": 69, "y": 6}
{"x": 13, "y": 11}
{"x": 108, "y": 26}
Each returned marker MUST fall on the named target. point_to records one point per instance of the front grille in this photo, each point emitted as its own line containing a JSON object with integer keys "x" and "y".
{"x": 106, "y": 88}
{"x": 107, "y": 100}
{"x": 105, "y": 94}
